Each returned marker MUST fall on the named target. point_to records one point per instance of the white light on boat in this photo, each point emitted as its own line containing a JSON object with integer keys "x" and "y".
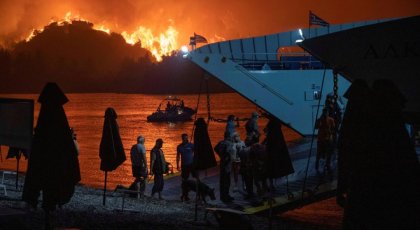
{"x": 184, "y": 49}
{"x": 298, "y": 41}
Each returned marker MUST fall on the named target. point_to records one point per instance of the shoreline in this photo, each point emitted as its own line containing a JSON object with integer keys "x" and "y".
{"x": 85, "y": 211}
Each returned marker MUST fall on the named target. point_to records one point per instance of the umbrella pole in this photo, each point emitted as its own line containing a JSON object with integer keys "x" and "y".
{"x": 196, "y": 195}
{"x": 47, "y": 220}
{"x": 103, "y": 202}
{"x": 17, "y": 172}
{"x": 270, "y": 215}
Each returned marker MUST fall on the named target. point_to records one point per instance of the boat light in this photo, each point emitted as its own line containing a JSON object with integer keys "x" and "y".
{"x": 184, "y": 51}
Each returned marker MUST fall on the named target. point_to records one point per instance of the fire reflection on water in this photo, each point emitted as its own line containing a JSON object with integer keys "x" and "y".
{"x": 85, "y": 113}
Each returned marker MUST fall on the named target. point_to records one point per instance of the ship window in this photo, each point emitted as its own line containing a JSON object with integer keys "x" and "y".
{"x": 317, "y": 95}
{"x": 312, "y": 95}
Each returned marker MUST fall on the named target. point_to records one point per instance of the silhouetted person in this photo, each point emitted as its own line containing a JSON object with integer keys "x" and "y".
{"x": 224, "y": 149}
{"x": 238, "y": 145}
{"x": 384, "y": 183}
{"x": 157, "y": 167}
{"x": 325, "y": 147}
{"x": 246, "y": 169}
{"x": 230, "y": 125}
{"x": 185, "y": 154}
{"x": 258, "y": 155}
{"x": 252, "y": 129}
{"x": 139, "y": 164}
{"x": 334, "y": 111}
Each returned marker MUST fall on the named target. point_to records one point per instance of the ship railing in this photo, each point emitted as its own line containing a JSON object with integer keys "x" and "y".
{"x": 277, "y": 61}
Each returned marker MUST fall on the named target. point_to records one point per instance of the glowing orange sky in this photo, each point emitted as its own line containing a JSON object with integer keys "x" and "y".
{"x": 214, "y": 19}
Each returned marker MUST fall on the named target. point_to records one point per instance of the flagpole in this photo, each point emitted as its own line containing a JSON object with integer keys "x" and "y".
{"x": 309, "y": 22}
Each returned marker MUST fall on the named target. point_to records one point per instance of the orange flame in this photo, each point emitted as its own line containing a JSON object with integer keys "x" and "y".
{"x": 160, "y": 45}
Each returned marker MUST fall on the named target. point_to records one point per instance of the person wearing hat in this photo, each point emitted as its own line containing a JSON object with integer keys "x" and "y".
{"x": 252, "y": 130}
{"x": 157, "y": 167}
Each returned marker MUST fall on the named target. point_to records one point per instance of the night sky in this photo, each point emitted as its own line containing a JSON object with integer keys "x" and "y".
{"x": 215, "y": 19}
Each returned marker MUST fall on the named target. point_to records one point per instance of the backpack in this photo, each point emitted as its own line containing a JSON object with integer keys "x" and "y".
{"x": 220, "y": 148}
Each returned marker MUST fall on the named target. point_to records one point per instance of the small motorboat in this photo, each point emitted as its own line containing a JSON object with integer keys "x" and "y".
{"x": 175, "y": 111}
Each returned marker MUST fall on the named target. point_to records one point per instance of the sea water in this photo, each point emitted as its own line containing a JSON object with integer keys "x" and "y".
{"x": 85, "y": 113}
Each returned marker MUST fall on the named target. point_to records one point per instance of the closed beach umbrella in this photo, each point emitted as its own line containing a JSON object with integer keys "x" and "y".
{"x": 203, "y": 150}
{"x": 278, "y": 159}
{"x": 53, "y": 167}
{"x": 111, "y": 150}
{"x": 352, "y": 139}
{"x": 384, "y": 183}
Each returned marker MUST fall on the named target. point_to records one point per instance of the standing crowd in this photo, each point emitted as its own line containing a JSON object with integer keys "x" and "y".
{"x": 246, "y": 162}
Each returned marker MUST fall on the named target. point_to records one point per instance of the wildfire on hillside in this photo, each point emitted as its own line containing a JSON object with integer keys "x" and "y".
{"x": 161, "y": 44}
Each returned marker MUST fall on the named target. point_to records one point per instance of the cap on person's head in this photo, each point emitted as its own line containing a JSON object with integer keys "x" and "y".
{"x": 184, "y": 135}
{"x": 159, "y": 140}
{"x": 231, "y": 117}
{"x": 140, "y": 138}
{"x": 255, "y": 114}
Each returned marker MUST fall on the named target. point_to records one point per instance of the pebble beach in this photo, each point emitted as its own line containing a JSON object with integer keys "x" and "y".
{"x": 86, "y": 211}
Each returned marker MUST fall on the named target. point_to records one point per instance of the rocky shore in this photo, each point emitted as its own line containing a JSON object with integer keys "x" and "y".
{"x": 85, "y": 211}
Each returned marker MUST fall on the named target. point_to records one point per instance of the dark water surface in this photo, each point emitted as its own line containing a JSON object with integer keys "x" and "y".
{"x": 85, "y": 114}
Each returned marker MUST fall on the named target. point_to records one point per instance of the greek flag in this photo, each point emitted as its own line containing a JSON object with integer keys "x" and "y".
{"x": 315, "y": 20}
{"x": 197, "y": 39}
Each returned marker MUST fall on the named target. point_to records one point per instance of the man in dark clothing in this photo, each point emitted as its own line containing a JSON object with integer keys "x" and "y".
{"x": 185, "y": 153}
{"x": 252, "y": 130}
{"x": 325, "y": 147}
{"x": 224, "y": 149}
{"x": 246, "y": 169}
{"x": 157, "y": 167}
{"x": 139, "y": 164}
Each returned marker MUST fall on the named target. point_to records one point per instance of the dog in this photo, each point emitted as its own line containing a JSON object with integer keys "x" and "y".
{"x": 131, "y": 191}
{"x": 204, "y": 190}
